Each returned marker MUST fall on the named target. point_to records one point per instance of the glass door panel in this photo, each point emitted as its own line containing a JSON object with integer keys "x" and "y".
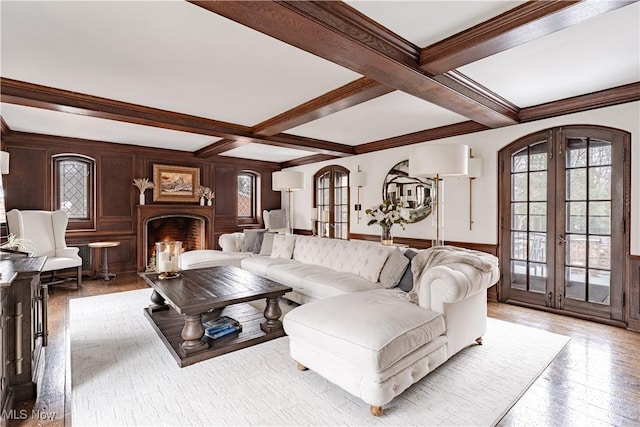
{"x": 323, "y": 202}
{"x": 588, "y": 220}
{"x": 529, "y": 219}
{"x": 332, "y": 202}
{"x": 341, "y": 205}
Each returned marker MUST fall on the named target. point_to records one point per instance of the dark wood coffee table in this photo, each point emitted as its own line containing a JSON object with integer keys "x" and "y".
{"x": 180, "y": 305}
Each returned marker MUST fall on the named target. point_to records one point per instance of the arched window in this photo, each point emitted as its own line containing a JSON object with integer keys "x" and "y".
{"x": 331, "y": 199}
{"x": 74, "y": 188}
{"x": 247, "y": 198}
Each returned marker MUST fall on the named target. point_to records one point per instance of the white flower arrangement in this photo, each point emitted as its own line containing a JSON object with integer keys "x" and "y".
{"x": 142, "y": 184}
{"x": 201, "y": 191}
{"x": 386, "y": 214}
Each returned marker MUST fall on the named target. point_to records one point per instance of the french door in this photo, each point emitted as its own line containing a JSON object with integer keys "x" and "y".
{"x": 563, "y": 229}
{"x": 332, "y": 201}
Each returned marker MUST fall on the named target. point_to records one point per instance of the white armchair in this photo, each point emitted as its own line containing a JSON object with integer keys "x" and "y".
{"x": 44, "y": 234}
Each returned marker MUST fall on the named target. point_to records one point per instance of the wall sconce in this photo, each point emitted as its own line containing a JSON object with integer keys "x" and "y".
{"x": 475, "y": 171}
{"x": 359, "y": 180}
{"x": 4, "y": 162}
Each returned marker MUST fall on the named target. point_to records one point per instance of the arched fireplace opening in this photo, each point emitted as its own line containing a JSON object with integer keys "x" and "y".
{"x": 189, "y": 229}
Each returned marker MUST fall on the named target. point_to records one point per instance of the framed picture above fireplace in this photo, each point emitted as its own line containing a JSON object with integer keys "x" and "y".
{"x": 175, "y": 183}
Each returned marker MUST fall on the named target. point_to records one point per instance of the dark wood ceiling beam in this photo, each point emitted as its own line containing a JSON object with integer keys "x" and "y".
{"x": 517, "y": 26}
{"x": 600, "y": 99}
{"x": 306, "y": 160}
{"x": 308, "y": 144}
{"x": 280, "y": 140}
{"x": 456, "y": 129}
{"x": 4, "y": 127}
{"x": 353, "y": 93}
{"x": 340, "y": 34}
{"x": 219, "y": 147}
{"x": 32, "y": 95}
{"x": 474, "y": 90}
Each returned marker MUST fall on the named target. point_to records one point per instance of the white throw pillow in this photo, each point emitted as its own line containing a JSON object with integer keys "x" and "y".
{"x": 283, "y": 246}
{"x": 267, "y": 244}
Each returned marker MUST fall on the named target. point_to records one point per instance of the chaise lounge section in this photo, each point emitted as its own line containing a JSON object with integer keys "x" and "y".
{"x": 375, "y": 344}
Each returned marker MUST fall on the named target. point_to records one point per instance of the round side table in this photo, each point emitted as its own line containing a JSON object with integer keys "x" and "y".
{"x": 104, "y": 274}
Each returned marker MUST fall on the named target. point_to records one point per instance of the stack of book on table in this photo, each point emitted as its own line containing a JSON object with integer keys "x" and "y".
{"x": 221, "y": 327}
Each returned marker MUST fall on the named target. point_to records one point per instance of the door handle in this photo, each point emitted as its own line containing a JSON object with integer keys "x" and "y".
{"x": 561, "y": 240}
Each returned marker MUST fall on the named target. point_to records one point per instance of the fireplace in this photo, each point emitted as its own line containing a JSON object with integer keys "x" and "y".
{"x": 192, "y": 225}
{"x": 188, "y": 229}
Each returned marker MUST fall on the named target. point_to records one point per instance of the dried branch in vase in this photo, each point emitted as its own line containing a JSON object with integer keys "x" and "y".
{"x": 142, "y": 184}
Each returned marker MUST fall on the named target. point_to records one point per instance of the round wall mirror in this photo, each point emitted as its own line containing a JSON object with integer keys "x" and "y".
{"x": 413, "y": 192}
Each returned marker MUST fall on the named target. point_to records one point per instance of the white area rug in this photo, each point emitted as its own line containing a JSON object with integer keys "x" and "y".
{"x": 122, "y": 374}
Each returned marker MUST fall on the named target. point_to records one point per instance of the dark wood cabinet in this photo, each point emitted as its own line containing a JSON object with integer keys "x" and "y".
{"x": 23, "y": 330}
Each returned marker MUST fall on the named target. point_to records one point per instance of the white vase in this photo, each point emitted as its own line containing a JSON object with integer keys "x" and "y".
{"x": 202, "y": 201}
{"x": 210, "y": 202}
{"x": 141, "y": 198}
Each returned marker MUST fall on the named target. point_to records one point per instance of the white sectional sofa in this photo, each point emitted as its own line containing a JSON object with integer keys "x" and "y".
{"x": 372, "y": 341}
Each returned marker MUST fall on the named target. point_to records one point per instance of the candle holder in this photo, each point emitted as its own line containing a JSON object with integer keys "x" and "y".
{"x": 168, "y": 259}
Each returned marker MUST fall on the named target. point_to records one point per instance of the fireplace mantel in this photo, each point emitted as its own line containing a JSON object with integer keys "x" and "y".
{"x": 146, "y": 212}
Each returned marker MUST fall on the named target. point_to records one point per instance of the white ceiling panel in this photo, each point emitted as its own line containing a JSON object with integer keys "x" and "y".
{"x": 267, "y": 153}
{"x": 426, "y": 22}
{"x": 169, "y": 55}
{"x": 394, "y": 114}
{"x": 35, "y": 120}
{"x": 600, "y": 53}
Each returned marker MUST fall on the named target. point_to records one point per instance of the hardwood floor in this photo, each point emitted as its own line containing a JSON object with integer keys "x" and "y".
{"x": 595, "y": 380}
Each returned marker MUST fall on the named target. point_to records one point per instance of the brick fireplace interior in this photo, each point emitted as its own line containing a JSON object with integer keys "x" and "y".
{"x": 189, "y": 230}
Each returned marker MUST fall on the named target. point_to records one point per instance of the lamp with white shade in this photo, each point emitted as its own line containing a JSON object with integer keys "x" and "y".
{"x": 475, "y": 171}
{"x": 288, "y": 181}
{"x": 439, "y": 161}
{"x": 358, "y": 179}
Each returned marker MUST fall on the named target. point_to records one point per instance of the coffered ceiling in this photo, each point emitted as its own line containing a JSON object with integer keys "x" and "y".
{"x": 296, "y": 82}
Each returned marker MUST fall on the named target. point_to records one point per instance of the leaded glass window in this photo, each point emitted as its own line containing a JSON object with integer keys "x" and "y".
{"x": 246, "y": 195}
{"x": 74, "y": 186}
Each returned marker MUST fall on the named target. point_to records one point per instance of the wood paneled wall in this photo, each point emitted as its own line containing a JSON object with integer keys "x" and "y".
{"x": 30, "y": 186}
